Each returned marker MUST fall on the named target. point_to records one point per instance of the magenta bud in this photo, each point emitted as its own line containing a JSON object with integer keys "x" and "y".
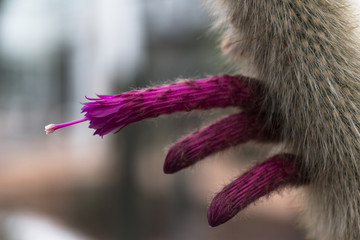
{"x": 259, "y": 181}
{"x": 227, "y": 132}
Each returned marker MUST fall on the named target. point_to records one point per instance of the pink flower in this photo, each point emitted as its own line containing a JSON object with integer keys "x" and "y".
{"x": 109, "y": 113}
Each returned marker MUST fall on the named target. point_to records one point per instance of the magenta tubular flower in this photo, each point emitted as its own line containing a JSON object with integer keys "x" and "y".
{"x": 259, "y": 181}
{"x": 108, "y": 113}
{"x": 227, "y": 132}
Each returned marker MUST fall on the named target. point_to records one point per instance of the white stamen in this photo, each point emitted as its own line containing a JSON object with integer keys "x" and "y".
{"x": 50, "y": 128}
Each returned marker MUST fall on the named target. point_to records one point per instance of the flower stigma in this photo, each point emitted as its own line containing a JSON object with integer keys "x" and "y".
{"x": 52, "y": 127}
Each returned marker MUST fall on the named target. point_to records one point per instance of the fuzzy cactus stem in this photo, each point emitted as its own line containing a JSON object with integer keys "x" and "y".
{"x": 227, "y": 132}
{"x": 259, "y": 181}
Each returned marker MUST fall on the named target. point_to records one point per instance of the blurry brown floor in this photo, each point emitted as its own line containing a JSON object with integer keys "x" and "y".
{"x": 82, "y": 197}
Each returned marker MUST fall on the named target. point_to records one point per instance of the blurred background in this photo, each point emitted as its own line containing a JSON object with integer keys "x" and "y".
{"x": 73, "y": 185}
